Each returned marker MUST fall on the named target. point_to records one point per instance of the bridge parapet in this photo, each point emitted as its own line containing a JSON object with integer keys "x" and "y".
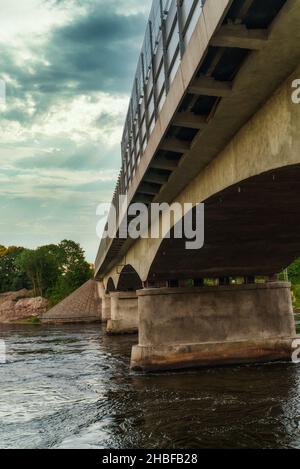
{"x": 169, "y": 30}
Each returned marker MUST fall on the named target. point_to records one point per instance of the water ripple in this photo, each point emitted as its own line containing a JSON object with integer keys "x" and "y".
{"x": 70, "y": 386}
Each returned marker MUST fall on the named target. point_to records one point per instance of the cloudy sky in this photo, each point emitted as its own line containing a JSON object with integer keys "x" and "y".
{"x": 68, "y": 66}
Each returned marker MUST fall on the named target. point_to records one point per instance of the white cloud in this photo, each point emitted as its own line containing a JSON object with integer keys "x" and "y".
{"x": 24, "y": 19}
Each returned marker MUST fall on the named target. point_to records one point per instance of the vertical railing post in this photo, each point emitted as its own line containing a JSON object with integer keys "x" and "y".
{"x": 123, "y": 157}
{"x": 130, "y": 142}
{"x": 139, "y": 116}
{"x": 145, "y": 99}
{"x": 164, "y": 43}
{"x": 180, "y": 28}
{"x": 134, "y": 136}
{"x": 153, "y": 71}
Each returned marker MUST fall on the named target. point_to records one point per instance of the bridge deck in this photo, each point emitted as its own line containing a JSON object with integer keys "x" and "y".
{"x": 228, "y": 58}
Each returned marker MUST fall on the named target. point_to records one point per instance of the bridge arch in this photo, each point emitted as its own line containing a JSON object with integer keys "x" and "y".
{"x": 129, "y": 280}
{"x": 268, "y": 144}
{"x": 251, "y": 228}
{"x": 110, "y": 286}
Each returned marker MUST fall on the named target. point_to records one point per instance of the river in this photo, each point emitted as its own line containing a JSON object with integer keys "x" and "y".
{"x": 70, "y": 387}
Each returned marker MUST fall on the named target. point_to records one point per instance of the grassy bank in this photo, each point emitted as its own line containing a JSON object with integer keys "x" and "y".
{"x": 33, "y": 321}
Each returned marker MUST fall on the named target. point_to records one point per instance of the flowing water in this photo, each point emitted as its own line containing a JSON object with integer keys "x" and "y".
{"x": 70, "y": 387}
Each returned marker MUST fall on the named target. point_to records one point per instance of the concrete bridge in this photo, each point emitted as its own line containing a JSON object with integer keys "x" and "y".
{"x": 211, "y": 120}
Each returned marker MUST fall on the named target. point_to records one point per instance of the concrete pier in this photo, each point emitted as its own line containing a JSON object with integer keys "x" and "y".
{"x": 193, "y": 327}
{"x": 105, "y": 302}
{"x": 106, "y": 307}
{"x": 124, "y": 313}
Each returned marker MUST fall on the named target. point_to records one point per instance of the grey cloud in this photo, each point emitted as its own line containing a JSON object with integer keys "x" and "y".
{"x": 96, "y": 51}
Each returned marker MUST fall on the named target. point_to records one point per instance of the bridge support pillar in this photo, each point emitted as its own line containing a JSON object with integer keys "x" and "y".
{"x": 106, "y": 307}
{"x": 105, "y": 302}
{"x": 231, "y": 324}
{"x": 124, "y": 313}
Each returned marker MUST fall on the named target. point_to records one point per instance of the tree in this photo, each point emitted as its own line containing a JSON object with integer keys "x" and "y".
{"x": 75, "y": 271}
{"x": 74, "y": 266}
{"x": 294, "y": 272}
{"x": 12, "y": 276}
{"x": 41, "y": 267}
{"x": 71, "y": 254}
{"x": 2, "y": 250}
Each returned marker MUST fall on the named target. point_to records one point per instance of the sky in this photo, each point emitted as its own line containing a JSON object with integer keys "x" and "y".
{"x": 68, "y": 68}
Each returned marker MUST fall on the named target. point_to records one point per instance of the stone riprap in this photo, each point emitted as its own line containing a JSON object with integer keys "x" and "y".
{"x": 83, "y": 305}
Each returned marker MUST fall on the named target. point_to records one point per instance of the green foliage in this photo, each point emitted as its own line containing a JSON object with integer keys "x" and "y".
{"x": 296, "y": 296}
{"x": 294, "y": 272}
{"x": 293, "y": 275}
{"x": 74, "y": 271}
{"x": 12, "y": 276}
{"x": 52, "y": 271}
{"x": 33, "y": 321}
{"x": 41, "y": 268}
{"x": 2, "y": 250}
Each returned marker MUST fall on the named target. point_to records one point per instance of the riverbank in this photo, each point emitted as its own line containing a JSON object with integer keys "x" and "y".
{"x": 81, "y": 306}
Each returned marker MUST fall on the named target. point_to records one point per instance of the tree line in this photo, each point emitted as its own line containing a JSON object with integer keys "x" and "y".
{"x": 53, "y": 271}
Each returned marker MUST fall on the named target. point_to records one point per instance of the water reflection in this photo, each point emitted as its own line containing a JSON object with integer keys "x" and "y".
{"x": 69, "y": 386}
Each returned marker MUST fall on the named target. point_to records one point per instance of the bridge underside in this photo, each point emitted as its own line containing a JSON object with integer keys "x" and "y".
{"x": 227, "y": 136}
{"x": 251, "y": 228}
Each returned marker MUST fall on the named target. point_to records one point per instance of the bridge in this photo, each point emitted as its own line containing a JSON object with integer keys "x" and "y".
{"x": 211, "y": 120}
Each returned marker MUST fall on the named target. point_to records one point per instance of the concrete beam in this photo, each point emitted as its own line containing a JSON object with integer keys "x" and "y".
{"x": 156, "y": 178}
{"x": 239, "y": 36}
{"x": 175, "y": 145}
{"x": 190, "y": 120}
{"x": 164, "y": 163}
{"x": 245, "y": 7}
{"x": 149, "y": 189}
{"x": 206, "y": 86}
{"x": 143, "y": 198}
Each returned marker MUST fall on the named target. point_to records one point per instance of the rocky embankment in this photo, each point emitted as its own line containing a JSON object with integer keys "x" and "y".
{"x": 20, "y": 306}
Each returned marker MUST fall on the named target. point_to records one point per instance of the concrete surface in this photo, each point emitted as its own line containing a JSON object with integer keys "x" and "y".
{"x": 124, "y": 313}
{"x": 181, "y": 328}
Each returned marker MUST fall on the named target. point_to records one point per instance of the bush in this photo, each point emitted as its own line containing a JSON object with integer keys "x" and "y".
{"x": 296, "y": 294}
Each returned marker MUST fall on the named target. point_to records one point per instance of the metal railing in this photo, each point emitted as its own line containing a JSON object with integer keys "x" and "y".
{"x": 169, "y": 29}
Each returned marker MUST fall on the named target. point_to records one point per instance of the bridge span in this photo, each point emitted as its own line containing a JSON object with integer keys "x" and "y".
{"x": 211, "y": 120}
